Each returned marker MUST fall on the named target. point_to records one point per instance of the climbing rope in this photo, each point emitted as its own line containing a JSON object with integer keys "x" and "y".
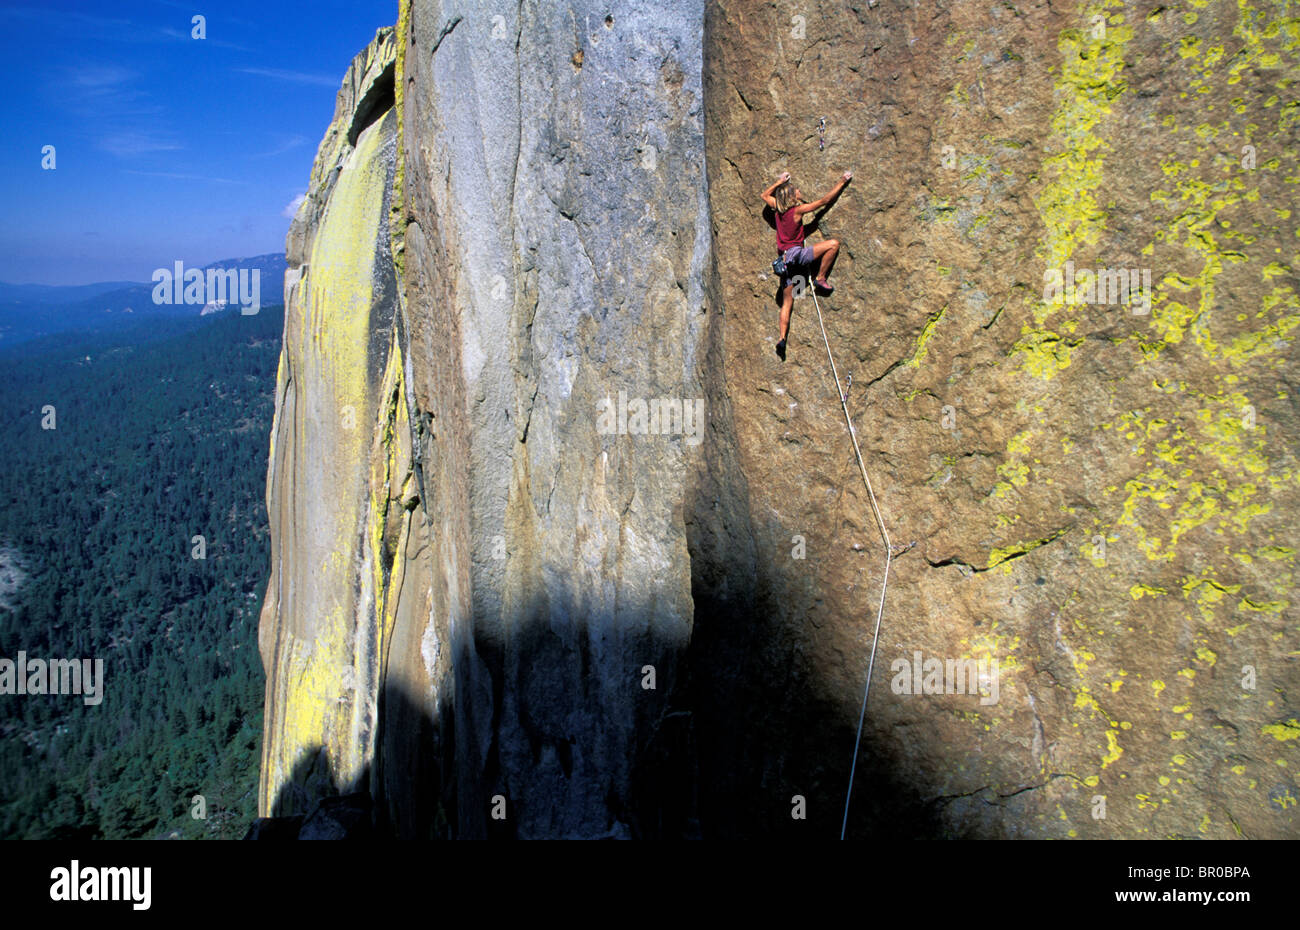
{"x": 889, "y": 554}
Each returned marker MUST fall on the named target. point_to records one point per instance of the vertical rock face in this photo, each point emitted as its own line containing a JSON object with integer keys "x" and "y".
{"x": 552, "y": 221}
{"x": 1100, "y": 499}
{"x": 557, "y": 536}
{"x": 321, "y": 633}
{"x": 555, "y": 233}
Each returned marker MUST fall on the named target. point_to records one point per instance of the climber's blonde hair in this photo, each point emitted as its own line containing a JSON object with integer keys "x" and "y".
{"x": 785, "y": 198}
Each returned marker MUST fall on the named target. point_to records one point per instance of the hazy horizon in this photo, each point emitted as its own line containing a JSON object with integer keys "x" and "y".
{"x": 143, "y": 280}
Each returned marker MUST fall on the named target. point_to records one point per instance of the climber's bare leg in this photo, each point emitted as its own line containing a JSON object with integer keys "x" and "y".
{"x": 826, "y": 251}
{"x": 787, "y": 304}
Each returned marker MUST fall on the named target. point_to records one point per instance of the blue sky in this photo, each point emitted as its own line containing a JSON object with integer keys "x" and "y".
{"x": 168, "y": 148}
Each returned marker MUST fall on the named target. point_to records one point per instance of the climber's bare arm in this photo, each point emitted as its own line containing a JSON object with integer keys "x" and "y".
{"x": 767, "y": 194}
{"x": 829, "y": 199}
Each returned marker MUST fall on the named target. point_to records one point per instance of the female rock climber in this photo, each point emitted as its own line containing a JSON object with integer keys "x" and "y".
{"x": 787, "y": 202}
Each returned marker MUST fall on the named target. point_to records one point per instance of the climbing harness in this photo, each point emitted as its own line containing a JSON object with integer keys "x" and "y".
{"x": 890, "y": 552}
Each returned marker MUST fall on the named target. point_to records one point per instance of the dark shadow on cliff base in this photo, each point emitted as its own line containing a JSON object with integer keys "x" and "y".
{"x": 400, "y": 797}
{"x": 721, "y": 752}
{"x": 740, "y": 735}
{"x": 767, "y": 742}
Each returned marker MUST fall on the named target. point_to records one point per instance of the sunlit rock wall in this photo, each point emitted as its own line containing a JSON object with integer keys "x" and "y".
{"x": 501, "y": 604}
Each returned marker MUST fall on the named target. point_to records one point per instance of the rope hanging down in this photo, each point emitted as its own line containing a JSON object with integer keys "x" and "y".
{"x": 889, "y": 555}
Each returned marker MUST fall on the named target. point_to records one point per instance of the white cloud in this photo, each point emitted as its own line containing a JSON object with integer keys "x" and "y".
{"x": 286, "y": 144}
{"x": 100, "y": 78}
{"x": 291, "y": 210}
{"x": 183, "y": 177}
{"x": 297, "y": 77}
{"x": 127, "y": 144}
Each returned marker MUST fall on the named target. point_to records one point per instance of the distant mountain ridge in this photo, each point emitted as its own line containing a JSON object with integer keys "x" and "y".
{"x": 29, "y": 311}
{"x": 57, "y": 293}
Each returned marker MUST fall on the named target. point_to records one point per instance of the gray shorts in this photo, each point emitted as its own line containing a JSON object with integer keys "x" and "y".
{"x": 799, "y": 255}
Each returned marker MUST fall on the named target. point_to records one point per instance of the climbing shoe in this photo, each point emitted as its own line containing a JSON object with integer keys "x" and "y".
{"x": 824, "y": 286}
{"x": 780, "y": 350}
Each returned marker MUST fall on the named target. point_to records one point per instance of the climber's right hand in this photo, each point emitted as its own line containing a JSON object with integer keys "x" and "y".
{"x": 785, "y": 176}
{"x": 847, "y": 176}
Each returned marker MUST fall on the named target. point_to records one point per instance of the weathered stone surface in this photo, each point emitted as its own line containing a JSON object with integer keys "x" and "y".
{"x": 555, "y": 241}
{"x": 323, "y": 629}
{"x": 990, "y": 143}
{"x": 550, "y": 260}
{"x": 553, "y": 205}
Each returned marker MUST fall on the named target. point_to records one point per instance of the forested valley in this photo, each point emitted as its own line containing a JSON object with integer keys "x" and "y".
{"x": 133, "y": 529}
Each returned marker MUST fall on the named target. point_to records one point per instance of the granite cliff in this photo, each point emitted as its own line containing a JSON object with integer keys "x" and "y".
{"x": 561, "y": 548}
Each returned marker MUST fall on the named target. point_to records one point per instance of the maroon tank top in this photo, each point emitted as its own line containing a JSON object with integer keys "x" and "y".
{"x": 789, "y": 230}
